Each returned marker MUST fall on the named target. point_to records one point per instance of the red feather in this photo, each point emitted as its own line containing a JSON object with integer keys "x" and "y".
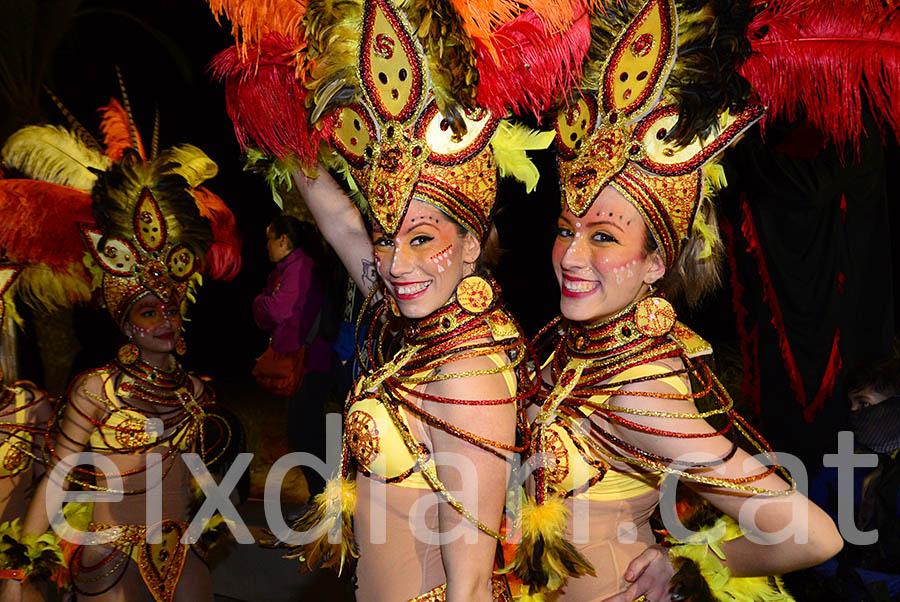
{"x": 531, "y": 66}
{"x": 223, "y": 260}
{"x": 816, "y": 60}
{"x": 266, "y": 102}
{"x": 38, "y": 222}
{"x": 117, "y": 131}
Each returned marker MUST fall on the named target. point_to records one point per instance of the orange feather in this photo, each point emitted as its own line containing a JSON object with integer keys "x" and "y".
{"x": 116, "y": 128}
{"x": 223, "y": 260}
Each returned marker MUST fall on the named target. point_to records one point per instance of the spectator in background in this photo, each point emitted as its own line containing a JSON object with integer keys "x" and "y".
{"x": 291, "y": 306}
{"x": 867, "y": 572}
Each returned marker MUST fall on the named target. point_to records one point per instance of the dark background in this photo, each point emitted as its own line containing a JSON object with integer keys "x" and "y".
{"x": 163, "y": 48}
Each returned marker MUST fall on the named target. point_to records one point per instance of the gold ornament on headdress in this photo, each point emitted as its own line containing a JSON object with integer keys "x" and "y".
{"x": 620, "y": 134}
{"x": 397, "y": 143}
{"x": 151, "y": 238}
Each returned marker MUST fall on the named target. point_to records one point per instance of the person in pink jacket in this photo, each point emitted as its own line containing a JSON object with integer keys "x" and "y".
{"x": 291, "y": 308}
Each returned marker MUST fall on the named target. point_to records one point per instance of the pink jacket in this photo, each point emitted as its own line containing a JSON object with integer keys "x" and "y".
{"x": 289, "y": 306}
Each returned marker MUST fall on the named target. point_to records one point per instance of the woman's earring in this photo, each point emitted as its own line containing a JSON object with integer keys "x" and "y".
{"x": 181, "y": 346}
{"x": 128, "y": 353}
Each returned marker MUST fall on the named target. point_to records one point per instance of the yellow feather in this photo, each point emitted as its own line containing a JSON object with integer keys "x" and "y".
{"x": 510, "y": 143}
{"x": 53, "y": 154}
{"x": 714, "y": 175}
{"x": 40, "y": 287}
{"x": 191, "y": 163}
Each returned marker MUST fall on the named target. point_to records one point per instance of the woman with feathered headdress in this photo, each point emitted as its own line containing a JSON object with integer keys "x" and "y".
{"x": 410, "y": 99}
{"x": 141, "y": 241}
{"x": 622, "y": 378}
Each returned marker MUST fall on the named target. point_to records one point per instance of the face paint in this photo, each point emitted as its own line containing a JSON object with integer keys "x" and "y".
{"x": 153, "y": 325}
{"x": 423, "y": 259}
{"x": 442, "y": 259}
{"x": 599, "y": 259}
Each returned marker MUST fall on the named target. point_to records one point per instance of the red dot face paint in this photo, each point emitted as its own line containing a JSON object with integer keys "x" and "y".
{"x": 420, "y": 265}
{"x": 599, "y": 259}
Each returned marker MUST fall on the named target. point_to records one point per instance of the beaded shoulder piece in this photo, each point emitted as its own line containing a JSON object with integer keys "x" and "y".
{"x": 145, "y": 409}
{"x": 583, "y": 360}
{"x": 403, "y": 356}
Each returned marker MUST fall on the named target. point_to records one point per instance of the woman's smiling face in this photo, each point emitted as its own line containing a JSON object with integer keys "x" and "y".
{"x": 424, "y": 262}
{"x": 153, "y": 325}
{"x": 600, "y": 259}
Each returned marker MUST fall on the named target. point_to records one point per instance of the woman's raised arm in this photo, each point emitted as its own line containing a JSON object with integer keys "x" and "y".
{"x": 341, "y": 224}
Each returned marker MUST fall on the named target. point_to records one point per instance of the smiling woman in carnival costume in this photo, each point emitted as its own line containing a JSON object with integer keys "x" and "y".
{"x": 413, "y": 102}
{"x": 147, "y": 242}
{"x": 625, "y": 390}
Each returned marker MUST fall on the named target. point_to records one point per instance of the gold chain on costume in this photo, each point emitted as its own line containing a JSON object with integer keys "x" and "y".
{"x": 584, "y": 359}
{"x": 183, "y": 414}
{"x": 449, "y": 334}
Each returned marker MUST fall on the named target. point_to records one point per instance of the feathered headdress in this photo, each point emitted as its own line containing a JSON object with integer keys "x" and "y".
{"x": 661, "y": 98}
{"x": 40, "y": 216}
{"x": 818, "y": 60}
{"x": 411, "y": 96}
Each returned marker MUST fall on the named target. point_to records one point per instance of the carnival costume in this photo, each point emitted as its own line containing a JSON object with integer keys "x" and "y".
{"x": 146, "y": 232}
{"x": 663, "y": 93}
{"x": 412, "y": 98}
{"x": 647, "y": 121}
{"x": 24, "y": 410}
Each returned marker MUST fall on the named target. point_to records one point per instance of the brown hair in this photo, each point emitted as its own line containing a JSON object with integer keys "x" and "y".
{"x": 490, "y": 246}
{"x": 693, "y": 276}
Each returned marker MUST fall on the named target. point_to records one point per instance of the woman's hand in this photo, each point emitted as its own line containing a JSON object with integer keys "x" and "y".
{"x": 649, "y": 575}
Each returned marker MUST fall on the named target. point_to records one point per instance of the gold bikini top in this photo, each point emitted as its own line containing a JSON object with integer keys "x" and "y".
{"x": 574, "y": 469}
{"x": 378, "y": 446}
{"x": 128, "y": 429}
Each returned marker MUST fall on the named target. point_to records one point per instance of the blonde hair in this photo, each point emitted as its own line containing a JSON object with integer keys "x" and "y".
{"x": 697, "y": 271}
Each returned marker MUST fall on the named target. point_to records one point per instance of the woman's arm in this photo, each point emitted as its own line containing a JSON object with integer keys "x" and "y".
{"x": 75, "y": 430}
{"x": 341, "y": 225}
{"x": 477, "y": 478}
{"x": 765, "y": 516}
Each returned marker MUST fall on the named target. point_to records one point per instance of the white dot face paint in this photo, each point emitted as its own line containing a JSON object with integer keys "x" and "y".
{"x": 443, "y": 259}
{"x": 599, "y": 258}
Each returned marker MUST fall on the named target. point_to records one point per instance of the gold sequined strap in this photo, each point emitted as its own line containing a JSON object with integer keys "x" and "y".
{"x": 371, "y": 382}
{"x": 499, "y": 592}
{"x": 650, "y": 464}
{"x": 564, "y": 386}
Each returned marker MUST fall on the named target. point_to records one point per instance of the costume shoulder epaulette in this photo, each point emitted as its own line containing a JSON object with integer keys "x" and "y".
{"x": 693, "y": 344}
{"x": 502, "y": 326}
